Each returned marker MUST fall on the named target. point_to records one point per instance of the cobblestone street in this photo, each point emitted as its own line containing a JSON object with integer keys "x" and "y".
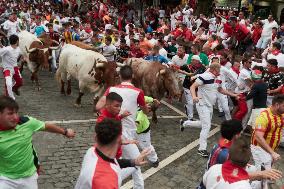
{"x": 61, "y": 158}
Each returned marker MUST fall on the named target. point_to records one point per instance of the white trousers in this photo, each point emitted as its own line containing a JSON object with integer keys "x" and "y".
{"x": 262, "y": 43}
{"x": 205, "y": 115}
{"x": 260, "y": 157}
{"x": 144, "y": 140}
{"x": 223, "y": 104}
{"x": 247, "y": 116}
{"x": 188, "y": 103}
{"x": 193, "y": 124}
{"x": 22, "y": 183}
{"x": 53, "y": 60}
{"x": 254, "y": 114}
{"x": 269, "y": 100}
{"x": 131, "y": 151}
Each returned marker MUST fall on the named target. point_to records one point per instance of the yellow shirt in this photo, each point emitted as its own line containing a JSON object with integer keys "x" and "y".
{"x": 271, "y": 125}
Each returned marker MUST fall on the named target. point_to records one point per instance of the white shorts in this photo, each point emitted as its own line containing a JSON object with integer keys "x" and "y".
{"x": 21, "y": 183}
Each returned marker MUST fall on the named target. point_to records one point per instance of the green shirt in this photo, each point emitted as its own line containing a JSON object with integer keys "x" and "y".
{"x": 16, "y": 149}
{"x": 142, "y": 120}
{"x": 203, "y": 57}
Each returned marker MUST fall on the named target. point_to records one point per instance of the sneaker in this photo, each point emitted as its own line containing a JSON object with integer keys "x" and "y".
{"x": 16, "y": 91}
{"x": 203, "y": 153}
{"x": 155, "y": 164}
{"x": 221, "y": 114}
{"x": 181, "y": 127}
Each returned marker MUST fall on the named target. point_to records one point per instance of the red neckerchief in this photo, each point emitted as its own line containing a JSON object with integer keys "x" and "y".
{"x": 274, "y": 70}
{"x": 104, "y": 113}
{"x": 224, "y": 143}
{"x": 233, "y": 173}
{"x": 235, "y": 70}
{"x": 88, "y": 30}
{"x": 273, "y": 36}
{"x": 275, "y": 52}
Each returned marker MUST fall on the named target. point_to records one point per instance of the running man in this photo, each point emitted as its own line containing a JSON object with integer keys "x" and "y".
{"x": 10, "y": 55}
{"x": 19, "y": 163}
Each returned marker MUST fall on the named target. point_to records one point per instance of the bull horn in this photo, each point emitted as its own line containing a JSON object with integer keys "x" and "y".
{"x": 54, "y": 48}
{"x": 163, "y": 71}
{"x": 100, "y": 65}
{"x": 130, "y": 63}
{"x": 120, "y": 64}
{"x": 41, "y": 40}
{"x": 55, "y": 42}
{"x": 31, "y": 50}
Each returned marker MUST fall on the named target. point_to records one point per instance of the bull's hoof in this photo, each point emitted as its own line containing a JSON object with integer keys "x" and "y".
{"x": 38, "y": 88}
{"x": 77, "y": 105}
{"x": 68, "y": 91}
{"x": 63, "y": 93}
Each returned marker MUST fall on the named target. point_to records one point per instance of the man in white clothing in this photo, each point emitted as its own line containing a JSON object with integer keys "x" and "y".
{"x": 10, "y": 55}
{"x": 11, "y": 25}
{"x": 232, "y": 173}
{"x": 266, "y": 33}
{"x": 180, "y": 58}
{"x": 208, "y": 85}
{"x": 243, "y": 87}
{"x": 132, "y": 98}
{"x": 109, "y": 50}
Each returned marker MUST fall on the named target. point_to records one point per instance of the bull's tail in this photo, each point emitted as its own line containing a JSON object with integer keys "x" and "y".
{"x": 59, "y": 71}
{"x": 58, "y": 76}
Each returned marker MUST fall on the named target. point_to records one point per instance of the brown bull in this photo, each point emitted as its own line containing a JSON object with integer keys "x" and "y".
{"x": 155, "y": 79}
{"x": 36, "y": 52}
{"x": 108, "y": 76}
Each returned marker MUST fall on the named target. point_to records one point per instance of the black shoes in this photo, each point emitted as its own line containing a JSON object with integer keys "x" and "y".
{"x": 203, "y": 153}
{"x": 155, "y": 164}
{"x": 16, "y": 91}
{"x": 181, "y": 127}
{"x": 221, "y": 114}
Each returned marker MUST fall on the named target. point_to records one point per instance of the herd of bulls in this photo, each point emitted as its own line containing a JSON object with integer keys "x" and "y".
{"x": 93, "y": 72}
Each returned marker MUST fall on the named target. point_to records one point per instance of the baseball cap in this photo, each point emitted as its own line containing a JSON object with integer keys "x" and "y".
{"x": 256, "y": 74}
{"x": 196, "y": 57}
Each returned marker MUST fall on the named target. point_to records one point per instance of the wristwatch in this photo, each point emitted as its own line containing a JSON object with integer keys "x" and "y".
{"x": 65, "y": 131}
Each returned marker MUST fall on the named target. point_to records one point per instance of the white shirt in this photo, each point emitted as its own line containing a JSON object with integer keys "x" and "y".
{"x": 267, "y": 27}
{"x": 132, "y": 97}
{"x": 176, "y": 60}
{"x": 231, "y": 83}
{"x": 153, "y": 41}
{"x": 208, "y": 88}
{"x": 226, "y": 75}
{"x": 242, "y": 86}
{"x": 11, "y": 27}
{"x": 91, "y": 167}
{"x": 9, "y": 57}
{"x": 163, "y": 52}
{"x": 279, "y": 58}
{"x": 213, "y": 179}
{"x": 109, "y": 51}
{"x": 162, "y": 13}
